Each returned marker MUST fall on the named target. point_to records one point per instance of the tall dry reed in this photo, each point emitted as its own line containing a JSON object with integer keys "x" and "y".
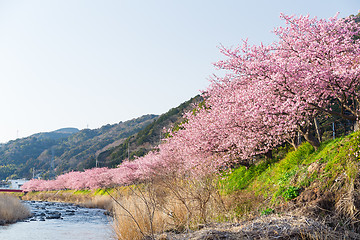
{"x": 165, "y": 204}
{"x": 135, "y": 219}
{"x": 11, "y": 209}
{"x": 88, "y": 200}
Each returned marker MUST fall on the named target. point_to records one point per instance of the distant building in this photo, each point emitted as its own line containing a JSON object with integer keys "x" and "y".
{"x": 16, "y": 183}
{"x": 4, "y": 184}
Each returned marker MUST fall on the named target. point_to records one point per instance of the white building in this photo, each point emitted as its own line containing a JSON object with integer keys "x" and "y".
{"x": 16, "y": 183}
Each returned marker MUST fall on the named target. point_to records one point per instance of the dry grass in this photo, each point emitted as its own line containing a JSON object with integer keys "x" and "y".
{"x": 173, "y": 208}
{"x": 177, "y": 205}
{"x": 11, "y": 209}
{"x": 134, "y": 220}
{"x": 244, "y": 205}
{"x": 103, "y": 202}
{"x": 88, "y": 200}
{"x": 286, "y": 227}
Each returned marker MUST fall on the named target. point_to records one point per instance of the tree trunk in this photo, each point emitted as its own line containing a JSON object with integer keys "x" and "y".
{"x": 309, "y": 135}
{"x": 357, "y": 125}
{"x": 293, "y": 142}
{"x": 268, "y": 154}
{"x": 312, "y": 140}
{"x": 318, "y": 130}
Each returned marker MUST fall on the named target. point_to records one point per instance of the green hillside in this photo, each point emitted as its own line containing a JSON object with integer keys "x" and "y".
{"x": 69, "y": 148}
{"x": 323, "y": 184}
{"x": 57, "y": 134}
{"x": 148, "y": 138}
{"x": 53, "y": 153}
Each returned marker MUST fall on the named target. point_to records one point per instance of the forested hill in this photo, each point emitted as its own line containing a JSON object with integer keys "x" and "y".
{"x": 57, "y": 134}
{"x": 69, "y": 148}
{"x": 148, "y": 138}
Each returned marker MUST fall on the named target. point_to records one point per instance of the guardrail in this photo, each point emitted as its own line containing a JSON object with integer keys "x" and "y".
{"x": 10, "y": 190}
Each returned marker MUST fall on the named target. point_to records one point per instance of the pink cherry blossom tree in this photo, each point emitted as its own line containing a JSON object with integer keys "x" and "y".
{"x": 315, "y": 63}
{"x": 268, "y": 95}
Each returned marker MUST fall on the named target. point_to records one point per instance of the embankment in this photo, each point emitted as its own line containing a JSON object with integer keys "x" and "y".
{"x": 86, "y": 198}
{"x": 298, "y": 194}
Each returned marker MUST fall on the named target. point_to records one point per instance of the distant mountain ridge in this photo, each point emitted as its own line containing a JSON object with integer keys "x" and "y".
{"x": 62, "y": 150}
{"x": 60, "y": 133}
{"x": 67, "y": 130}
{"x": 148, "y": 138}
{"x": 81, "y": 149}
{"x": 49, "y": 154}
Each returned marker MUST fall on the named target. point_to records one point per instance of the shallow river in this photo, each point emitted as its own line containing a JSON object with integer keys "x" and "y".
{"x": 55, "y": 221}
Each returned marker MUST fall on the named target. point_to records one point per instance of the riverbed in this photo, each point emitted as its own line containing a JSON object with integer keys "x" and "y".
{"x": 60, "y": 221}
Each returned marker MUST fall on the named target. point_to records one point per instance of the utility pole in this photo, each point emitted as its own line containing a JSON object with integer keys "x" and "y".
{"x": 52, "y": 164}
{"x": 128, "y": 149}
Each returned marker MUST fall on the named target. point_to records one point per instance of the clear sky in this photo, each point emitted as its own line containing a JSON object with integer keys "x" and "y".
{"x": 79, "y": 63}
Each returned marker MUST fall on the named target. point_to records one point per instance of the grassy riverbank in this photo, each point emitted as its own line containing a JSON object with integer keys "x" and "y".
{"x": 11, "y": 209}
{"x": 301, "y": 194}
{"x": 298, "y": 194}
{"x": 87, "y": 198}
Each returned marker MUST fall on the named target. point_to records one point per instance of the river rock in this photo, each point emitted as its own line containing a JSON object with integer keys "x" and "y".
{"x": 54, "y": 215}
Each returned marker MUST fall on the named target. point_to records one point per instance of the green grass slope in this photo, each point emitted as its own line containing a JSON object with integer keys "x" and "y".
{"x": 323, "y": 184}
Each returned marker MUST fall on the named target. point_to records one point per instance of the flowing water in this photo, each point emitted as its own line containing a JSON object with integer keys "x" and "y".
{"x": 60, "y": 221}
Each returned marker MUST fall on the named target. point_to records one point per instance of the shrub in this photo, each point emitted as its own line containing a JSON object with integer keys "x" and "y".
{"x": 267, "y": 211}
{"x": 291, "y": 193}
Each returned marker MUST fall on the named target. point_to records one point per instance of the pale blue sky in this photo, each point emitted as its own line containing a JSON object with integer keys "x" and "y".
{"x": 72, "y": 63}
